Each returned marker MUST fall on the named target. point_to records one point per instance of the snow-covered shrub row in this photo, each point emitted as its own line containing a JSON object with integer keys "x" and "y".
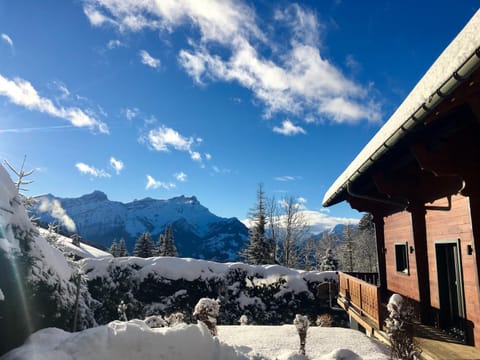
{"x": 35, "y": 278}
{"x": 269, "y": 294}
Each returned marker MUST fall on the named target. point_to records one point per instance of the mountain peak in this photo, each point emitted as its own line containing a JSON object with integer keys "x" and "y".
{"x": 182, "y": 199}
{"x": 96, "y": 195}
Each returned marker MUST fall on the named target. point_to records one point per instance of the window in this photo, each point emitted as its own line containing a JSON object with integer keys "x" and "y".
{"x": 401, "y": 257}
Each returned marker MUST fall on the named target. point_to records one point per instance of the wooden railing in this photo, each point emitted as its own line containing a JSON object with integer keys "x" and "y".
{"x": 363, "y": 297}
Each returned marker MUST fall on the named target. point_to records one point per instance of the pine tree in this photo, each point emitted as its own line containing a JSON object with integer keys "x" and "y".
{"x": 166, "y": 245}
{"x": 348, "y": 249}
{"x": 367, "y": 246}
{"x": 260, "y": 250}
{"x": 114, "y": 248}
{"x": 329, "y": 261}
{"x": 170, "y": 248}
{"x": 160, "y": 248}
{"x": 122, "y": 248}
{"x": 144, "y": 246}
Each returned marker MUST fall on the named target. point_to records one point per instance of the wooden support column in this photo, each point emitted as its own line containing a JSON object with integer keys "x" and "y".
{"x": 418, "y": 212}
{"x": 382, "y": 266}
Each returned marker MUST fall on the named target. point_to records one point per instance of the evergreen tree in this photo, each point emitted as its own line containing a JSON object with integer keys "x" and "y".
{"x": 349, "y": 260}
{"x": 367, "y": 246}
{"x": 166, "y": 245}
{"x": 170, "y": 248}
{"x": 329, "y": 261}
{"x": 260, "y": 249}
{"x": 114, "y": 248}
{"x": 122, "y": 248}
{"x": 160, "y": 247}
{"x": 144, "y": 246}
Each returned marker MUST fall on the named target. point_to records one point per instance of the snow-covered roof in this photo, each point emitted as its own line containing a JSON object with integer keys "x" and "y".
{"x": 83, "y": 250}
{"x": 456, "y": 62}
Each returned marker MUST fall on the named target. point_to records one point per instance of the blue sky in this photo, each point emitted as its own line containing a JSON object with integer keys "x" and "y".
{"x": 208, "y": 98}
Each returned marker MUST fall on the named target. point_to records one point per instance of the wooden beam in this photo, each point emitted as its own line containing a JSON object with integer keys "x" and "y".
{"x": 417, "y": 185}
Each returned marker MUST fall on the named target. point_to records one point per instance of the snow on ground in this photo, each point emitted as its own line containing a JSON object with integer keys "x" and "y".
{"x": 83, "y": 251}
{"x": 322, "y": 342}
{"x": 135, "y": 340}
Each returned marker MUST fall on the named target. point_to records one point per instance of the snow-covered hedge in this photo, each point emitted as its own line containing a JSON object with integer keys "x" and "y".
{"x": 270, "y": 294}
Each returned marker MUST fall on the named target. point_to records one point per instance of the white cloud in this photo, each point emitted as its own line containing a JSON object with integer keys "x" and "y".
{"x": 22, "y": 93}
{"x": 112, "y": 44}
{"x": 117, "y": 165}
{"x": 181, "y": 176}
{"x": 320, "y": 221}
{"x": 54, "y": 207}
{"x": 208, "y": 156}
{"x": 162, "y": 138}
{"x": 131, "y": 113}
{"x": 90, "y": 170}
{"x": 294, "y": 79}
{"x": 195, "y": 155}
{"x": 317, "y": 221}
{"x": 155, "y": 184}
{"x": 287, "y": 178}
{"x": 149, "y": 60}
{"x": 289, "y": 129}
{"x": 7, "y": 39}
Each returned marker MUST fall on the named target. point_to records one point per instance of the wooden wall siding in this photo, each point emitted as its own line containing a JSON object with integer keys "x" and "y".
{"x": 451, "y": 225}
{"x": 398, "y": 229}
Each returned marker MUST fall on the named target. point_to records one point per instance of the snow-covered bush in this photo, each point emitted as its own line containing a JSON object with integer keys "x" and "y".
{"x": 175, "y": 319}
{"x": 122, "y": 311}
{"x": 400, "y": 330}
{"x": 243, "y": 320}
{"x": 155, "y": 321}
{"x": 207, "y": 311}
{"x": 301, "y": 323}
{"x": 325, "y": 320}
{"x": 36, "y": 280}
{"x": 270, "y": 294}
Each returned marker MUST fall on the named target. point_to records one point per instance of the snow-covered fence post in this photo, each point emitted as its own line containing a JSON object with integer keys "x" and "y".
{"x": 122, "y": 311}
{"x": 301, "y": 323}
{"x": 207, "y": 311}
{"x": 399, "y": 329}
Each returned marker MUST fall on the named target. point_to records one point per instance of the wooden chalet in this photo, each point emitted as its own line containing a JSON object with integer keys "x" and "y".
{"x": 420, "y": 178}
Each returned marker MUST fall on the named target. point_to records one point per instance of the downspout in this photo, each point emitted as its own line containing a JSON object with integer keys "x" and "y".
{"x": 464, "y": 71}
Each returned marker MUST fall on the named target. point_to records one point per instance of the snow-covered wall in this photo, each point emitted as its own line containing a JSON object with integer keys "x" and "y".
{"x": 269, "y": 294}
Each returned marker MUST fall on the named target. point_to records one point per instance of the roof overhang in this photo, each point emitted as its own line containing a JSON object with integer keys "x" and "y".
{"x": 457, "y": 63}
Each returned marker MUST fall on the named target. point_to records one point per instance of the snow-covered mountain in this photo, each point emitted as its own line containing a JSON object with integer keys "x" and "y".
{"x": 197, "y": 232}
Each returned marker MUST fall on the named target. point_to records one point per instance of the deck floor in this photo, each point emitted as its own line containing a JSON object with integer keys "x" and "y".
{"x": 441, "y": 350}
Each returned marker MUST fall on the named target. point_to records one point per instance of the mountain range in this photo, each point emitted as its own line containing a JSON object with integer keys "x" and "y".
{"x": 197, "y": 232}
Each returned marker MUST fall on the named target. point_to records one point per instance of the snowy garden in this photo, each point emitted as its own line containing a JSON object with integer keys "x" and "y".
{"x": 161, "y": 307}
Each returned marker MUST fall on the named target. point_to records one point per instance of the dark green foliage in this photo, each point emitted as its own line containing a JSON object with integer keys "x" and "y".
{"x": 329, "y": 261}
{"x": 166, "y": 245}
{"x": 122, "y": 248}
{"x": 260, "y": 250}
{"x": 144, "y": 247}
{"x": 114, "y": 248}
